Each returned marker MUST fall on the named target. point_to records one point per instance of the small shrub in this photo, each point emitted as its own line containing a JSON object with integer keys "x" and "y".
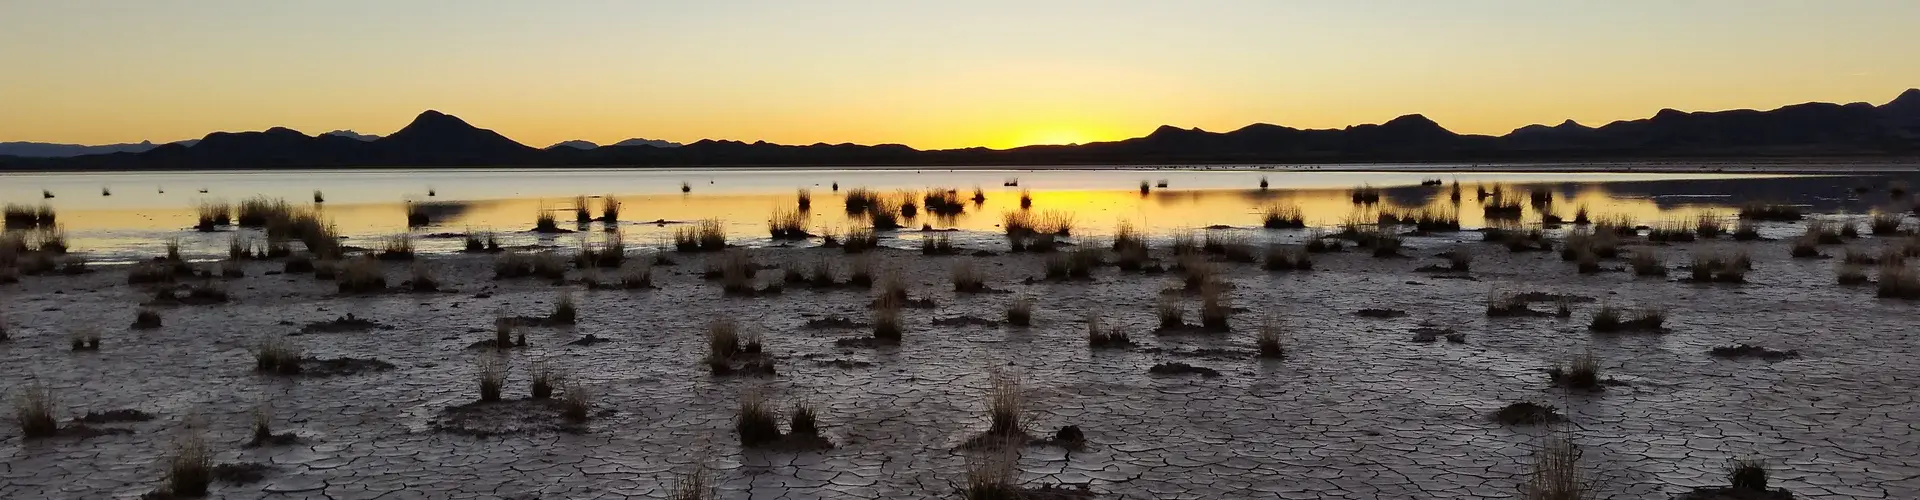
{"x": 1770, "y": 212}
{"x": 146, "y": 319}
{"x": 1715, "y": 267}
{"x": 610, "y": 209}
{"x": 860, "y": 272}
{"x": 545, "y": 222}
{"x": 397, "y": 247}
{"x": 787, "y": 225}
{"x": 1580, "y": 372}
{"x": 1748, "y": 475}
{"x": 492, "y": 373}
{"x": 1886, "y": 223}
{"x": 1647, "y": 263}
{"x": 277, "y": 355}
{"x": 1899, "y": 281}
{"x": 1125, "y": 236}
{"x": 1745, "y": 231}
{"x": 1459, "y": 260}
{"x": 939, "y": 244}
{"x": 804, "y": 198}
{"x": 886, "y": 322}
{"x": 704, "y": 236}
{"x": 1851, "y": 274}
{"x": 1805, "y": 248}
{"x": 1708, "y": 225}
{"x": 803, "y": 420}
{"x": 1214, "y": 308}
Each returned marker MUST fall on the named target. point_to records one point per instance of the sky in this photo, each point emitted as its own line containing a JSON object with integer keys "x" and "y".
{"x": 928, "y": 74}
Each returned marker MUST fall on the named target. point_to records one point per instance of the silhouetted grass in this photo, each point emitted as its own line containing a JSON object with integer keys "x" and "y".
{"x": 564, "y": 311}
{"x": 611, "y": 252}
{"x": 905, "y": 200}
{"x": 1056, "y": 222}
{"x": 1185, "y": 243}
{"x": 545, "y": 222}
{"x": 1365, "y": 194}
{"x": 1770, "y": 212}
{"x": 34, "y": 410}
{"x": 1270, "y": 339}
{"x": 1005, "y": 404}
{"x": 190, "y": 467}
{"x": 397, "y": 247}
{"x": 1671, "y": 232}
{"x": 211, "y": 215}
{"x": 859, "y": 200}
{"x": 258, "y": 211}
{"x": 939, "y": 244}
{"x": 804, "y": 198}
{"x": 1710, "y": 266}
{"x": 886, "y": 321}
{"x": 946, "y": 202}
{"x": 1170, "y": 313}
{"x": 860, "y": 239}
{"x": 967, "y": 279}
{"x": 1283, "y": 217}
{"x": 704, "y": 236}
{"x": 1556, "y": 475}
{"x": 1646, "y": 262}
{"x": 756, "y": 423}
{"x": 1214, "y": 308}
{"x": 787, "y": 225}
{"x": 884, "y": 215}
{"x": 609, "y": 209}
{"x": 1747, "y": 474}
{"x": 1886, "y": 223}
{"x": 576, "y": 401}
{"x": 541, "y": 381}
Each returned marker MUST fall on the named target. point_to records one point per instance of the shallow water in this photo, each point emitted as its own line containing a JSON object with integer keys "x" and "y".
{"x": 147, "y": 208}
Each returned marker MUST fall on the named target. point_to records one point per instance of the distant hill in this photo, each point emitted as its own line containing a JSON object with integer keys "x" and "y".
{"x": 437, "y": 139}
{"x": 353, "y": 135}
{"x": 51, "y": 150}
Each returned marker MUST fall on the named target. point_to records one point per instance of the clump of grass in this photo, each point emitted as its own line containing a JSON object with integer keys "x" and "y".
{"x": 1184, "y": 243}
{"x": 1851, "y": 274}
{"x": 1717, "y": 267}
{"x": 258, "y": 211}
{"x": 397, "y": 247}
{"x": 637, "y": 275}
{"x": 190, "y": 468}
{"x": 1823, "y": 233}
{"x": 1100, "y": 336}
{"x": 1609, "y": 319}
{"x": 1647, "y": 263}
{"x": 1020, "y": 312}
{"x": 576, "y": 401}
{"x": 277, "y": 355}
{"x": 736, "y": 271}
{"x": 723, "y": 340}
{"x": 1745, "y": 231}
{"x": 1005, "y": 404}
{"x": 1805, "y": 248}
{"x": 1459, "y": 260}
{"x": 1170, "y": 313}
{"x": 545, "y": 222}
{"x": 692, "y": 486}
{"x": 805, "y": 198}
{"x": 1126, "y": 236}
{"x": 990, "y": 473}
{"x": 1365, "y": 194}
{"x": 420, "y": 278}
{"x": 564, "y": 311}
{"x": 146, "y": 319}
{"x": 34, "y": 409}
{"x": 1056, "y": 222}
{"x": 1899, "y": 281}
{"x": 1580, "y": 372}
{"x": 1283, "y": 217}
{"x": 581, "y": 214}
{"x": 1671, "y": 232}
{"x": 1385, "y": 245}
{"x": 1214, "y": 308}
{"x": 803, "y": 420}
{"x": 548, "y": 265}
{"x": 860, "y": 239}
{"x": 1556, "y": 474}
{"x": 886, "y": 321}
{"x": 610, "y": 209}
{"x": 860, "y": 272}
{"x": 884, "y": 215}
{"x": 787, "y": 225}
{"x": 756, "y": 423}
{"x": 1026, "y": 199}
{"x": 1269, "y": 339}
{"x": 1770, "y": 212}
{"x": 362, "y": 275}
{"x": 1196, "y": 272}
{"x": 859, "y": 200}
{"x": 1886, "y": 223}
{"x": 704, "y": 236}
{"x": 1850, "y": 229}
{"x": 211, "y": 215}
{"x": 540, "y": 383}
{"x": 967, "y": 279}
{"x": 821, "y": 274}
{"x": 1747, "y": 474}
{"x": 939, "y": 244}
{"x": 492, "y": 373}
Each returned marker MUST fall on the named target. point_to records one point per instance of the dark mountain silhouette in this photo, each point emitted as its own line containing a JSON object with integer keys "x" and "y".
{"x": 52, "y": 150}
{"x": 647, "y": 142}
{"x": 575, "y": 144}
{"x": 437, "y": 139}
{"x": 353, "y": 135}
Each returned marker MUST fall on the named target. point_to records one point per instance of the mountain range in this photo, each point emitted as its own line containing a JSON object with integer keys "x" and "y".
{"x": 438, "y": 139}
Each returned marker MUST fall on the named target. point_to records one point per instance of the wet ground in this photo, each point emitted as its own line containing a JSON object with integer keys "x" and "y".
{"x": 1356, "y": 409}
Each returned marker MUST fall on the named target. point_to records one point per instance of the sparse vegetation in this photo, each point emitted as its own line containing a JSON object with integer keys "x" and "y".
{"x": 277, "y": 355}
{"x": 967, "y": 279}
{"x": 939, "y": 244}
{"x": 609, "y": 209}
{"x": 34, "y": 409}
{"x": 1851, "y": 274}
{"x": 1805, "y": 248}
{"x": 491, "y": 372}
{"x": 704, "y": 236}
{"x": 1745, "y": 231}
{"x": 1899, "y": 281}
{"x": 787, "y": 225}
{"x": 1005, "y": 404}
{"x": 1270, "y": 339}
{"x": 1715, "y": 267}
{"x": 211, "y": 215}
{"x": 397, "y": 247}
{"x": 1020, "y": 312}
{"x": 1288, "y": 258}
{"x": 190, "y": 468}
{"x": 1283, "y": 217}
{"x": 1556, "y": 473}
{"x": 1214, "y": 308}
{"x": 1609, "y": 320}
{"x": 1646, "y": 262}
{"x": 563, "y": 310}
{"x": 362, "y": 275}
{"x": 860, "y": 239}
{"x": 886, "y": 321}
{"x": 1770, "y": 212}
{"x": 756, "y": 423}
{"x": 146, "y": 319}
{"x": 1170, "y": 313}
{"x": 1886, "y": 223}
{"x": 990, "y": 473}
{"x": 576, "y": 401}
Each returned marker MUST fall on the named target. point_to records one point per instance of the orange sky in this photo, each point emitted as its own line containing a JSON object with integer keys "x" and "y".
{"x": 996, "y": 73}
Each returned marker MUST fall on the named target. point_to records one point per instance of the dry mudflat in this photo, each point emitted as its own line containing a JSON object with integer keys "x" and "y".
{"x": 1395, "y": 403}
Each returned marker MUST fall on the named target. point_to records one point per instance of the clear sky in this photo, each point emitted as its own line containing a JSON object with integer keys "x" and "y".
{"x": 929, "y": 74}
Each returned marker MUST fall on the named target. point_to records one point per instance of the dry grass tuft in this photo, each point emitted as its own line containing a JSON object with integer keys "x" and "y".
{"x": 1887, "y": 223}
{"x": 939, "y": 244}
{"x": 886, "y": 321}
{"x": 1715, "y": 267}
{"x": 420, "y": 278}
{"x": 1556, "y": 473}
{"x": 1005, "y": 403}
{"x": 1126, "y": 236}
{"x": 1271, "y": 339}
{"x": 693, "y": 485}
{"x": 540, "y": 383}
{"x": 704, "y": 236}
{"x": 860, "y": 272}
{"x": 1020, "y": 312}
{"x": 860, "y": 239}
{"x": 397, "y": 247}
{"x": 190, "y": 468}
{"x": 1170, "y": 313}
{"x": 1646, "y": 262}
{"x": 1283, "y": 217}
{"x": 1101, "y": 336}
{"x": 492, "y": 373}
{"x": 564, "y": 311}
{"x": 1747, "y": 474}
{"x": 34, "y": 409}
{"x": 146, "y": 319}
{"x": 277, "y": 355}
{"x": 576, "y": 401}
{"x": 1214, "y": 308}
{"x": 637, "y": 275}
{"x": 1899, "y": 281}
{"x": 757, "y": 422}
{"x": 967, "y": 279}
{"x": 990, "y": 473}
{"x": 1851, "y": 274}
{"x": 362, "y": 275}
{"x": 787, "y": 224}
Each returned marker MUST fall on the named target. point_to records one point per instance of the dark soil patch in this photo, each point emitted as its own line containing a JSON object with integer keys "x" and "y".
{"x": 865, "y": 342}
{"x": 1730, "y": 493}
{"x": 1428, "y": 334}
{"x": 965, "y": 321}
{"x": 114, "y": 417}
{"x": 1185, "y": 329}
{"x": 1516, "y": 309}
{"x": 1381, "y": 313}
{"x": 536, "y": 321}
{"x": 272, "y": 440}
{"x": 1057, "y": 492}
{"x": 519, "y": 416}
{"x": 1524, "y": 413}
{"x": 1561, "y": 380}
{"x": 742, "y": 366}
{"x": 845, "y": 364}
{"x": 1178, "y": 368}
{"x": 1636, "y": 325}
{"x": 796, "y": 441}
{"x": 336, "y": 367}
{"x": 835, "y": 322}
{"x": 995, "y": 440}
{"x": 241, "y": 473}
{"x": 588, "y": 340}
{"x": 1748, "y": 351}
{"x": 345, "y": 324}
{"x": 84, "y": 431}
{"x": 910, "y": 304}
{"x": 1549, "y": 297}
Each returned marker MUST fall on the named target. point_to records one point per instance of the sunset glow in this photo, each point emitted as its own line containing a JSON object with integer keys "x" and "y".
{"x": 928, "y": 75}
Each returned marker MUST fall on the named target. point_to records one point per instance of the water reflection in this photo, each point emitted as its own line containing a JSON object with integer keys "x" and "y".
{"x": 136, "y": 224}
